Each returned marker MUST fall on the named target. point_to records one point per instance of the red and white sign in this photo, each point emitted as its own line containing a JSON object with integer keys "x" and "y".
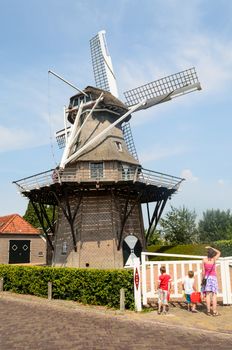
{"x": 136, "y": 278}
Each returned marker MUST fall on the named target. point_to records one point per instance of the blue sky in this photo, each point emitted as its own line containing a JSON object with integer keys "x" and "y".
{"x": 189, "y": 136}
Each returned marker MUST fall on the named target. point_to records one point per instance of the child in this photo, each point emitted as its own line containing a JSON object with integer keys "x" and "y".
{"x": 189, "y": 286}
{"x": 164, "y": 284}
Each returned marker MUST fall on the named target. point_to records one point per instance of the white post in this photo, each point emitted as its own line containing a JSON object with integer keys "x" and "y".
{"x": 137, "y": 285}
{"x": 144, "y": 279}
{"x": 228, "y": 282}
{"x": 224, "y": 281}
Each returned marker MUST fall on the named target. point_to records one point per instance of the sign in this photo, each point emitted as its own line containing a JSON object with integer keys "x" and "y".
{"x": 136, "y": 278}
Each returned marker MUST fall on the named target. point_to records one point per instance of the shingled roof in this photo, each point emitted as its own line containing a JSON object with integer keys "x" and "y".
{"x": 15, "y": 224}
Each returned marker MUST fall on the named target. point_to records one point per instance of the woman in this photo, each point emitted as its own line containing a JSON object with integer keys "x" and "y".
{"x": 209, "y": 272}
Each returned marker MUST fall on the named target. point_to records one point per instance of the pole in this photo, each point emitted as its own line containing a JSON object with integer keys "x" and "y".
{"x": 49, "y": 290}
{"x": 67, "y": 82}
{"x": 122, "y": 300}
{"x": 137, "y": 285}
{"x": 1, "y": 284}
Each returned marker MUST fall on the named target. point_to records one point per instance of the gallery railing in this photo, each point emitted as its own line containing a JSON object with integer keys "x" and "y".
{"x": 135, "y": 174}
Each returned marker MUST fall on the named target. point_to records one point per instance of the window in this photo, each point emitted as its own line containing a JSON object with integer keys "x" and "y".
{"x": 96, "y": 170}
{"x": 64, "y": 248}
{"x": 84, "y": 98}
{"x": 118, "y": 145}
{"x": 127, "y": 172}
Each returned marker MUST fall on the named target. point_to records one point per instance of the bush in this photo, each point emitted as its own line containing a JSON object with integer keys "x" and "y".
{"x": 225, "y": 247}
{"x": 190, "y": 249}
{"x": 88, "y": 286}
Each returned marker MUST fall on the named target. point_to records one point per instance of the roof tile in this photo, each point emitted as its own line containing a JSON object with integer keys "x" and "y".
{"x": 15, "y": 224}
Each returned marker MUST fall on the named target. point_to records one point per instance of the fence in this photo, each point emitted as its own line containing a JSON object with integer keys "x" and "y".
{"x": 178, "y": 270}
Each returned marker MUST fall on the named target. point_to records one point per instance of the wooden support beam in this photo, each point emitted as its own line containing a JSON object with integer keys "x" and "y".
{"x": 40, "y": 216}
{"x": 156, "y": 216}
{"x": 68, "y": 213}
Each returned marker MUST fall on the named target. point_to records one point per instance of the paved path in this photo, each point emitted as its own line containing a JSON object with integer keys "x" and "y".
{"x": 35, "y": 323}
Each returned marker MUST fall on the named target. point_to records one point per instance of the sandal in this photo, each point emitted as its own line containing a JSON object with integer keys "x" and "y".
{"x": 215, "y": 313}
{"x": 208, "y": 313}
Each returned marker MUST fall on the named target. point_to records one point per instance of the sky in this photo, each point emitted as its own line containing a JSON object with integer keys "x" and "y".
{"x": 189, "y": 136}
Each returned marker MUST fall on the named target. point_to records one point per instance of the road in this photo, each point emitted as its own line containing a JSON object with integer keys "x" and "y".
{"x": 47, "y": 326}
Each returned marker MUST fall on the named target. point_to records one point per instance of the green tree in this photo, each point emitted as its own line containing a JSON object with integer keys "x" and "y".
{"x": 31, "y": 217}
{"x": 216, "y": 225}
{"x": 155, "y": 237}
{"x": 179, "y": 226}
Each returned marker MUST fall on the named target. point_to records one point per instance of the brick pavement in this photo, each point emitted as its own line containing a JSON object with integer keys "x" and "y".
{"x": 34, "y": 323}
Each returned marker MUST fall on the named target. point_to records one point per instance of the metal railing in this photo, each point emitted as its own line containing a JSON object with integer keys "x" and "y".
{"x": 135, "y": 174}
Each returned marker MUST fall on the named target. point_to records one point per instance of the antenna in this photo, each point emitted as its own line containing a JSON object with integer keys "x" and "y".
{"x": 164, "y": 89}
{"x": 102, "y": 64}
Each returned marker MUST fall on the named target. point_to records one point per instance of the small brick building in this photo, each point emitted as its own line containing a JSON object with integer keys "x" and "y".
{"x": 20, "y": 242}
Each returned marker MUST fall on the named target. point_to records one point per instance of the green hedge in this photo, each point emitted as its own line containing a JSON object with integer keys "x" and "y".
{"x": 190, "y": 249}
{"x": 88, "y": 286}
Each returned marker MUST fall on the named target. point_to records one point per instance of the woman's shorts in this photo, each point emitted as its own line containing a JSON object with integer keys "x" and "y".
{"x": 211, "y": 285}
{"x": 163, "y": 296}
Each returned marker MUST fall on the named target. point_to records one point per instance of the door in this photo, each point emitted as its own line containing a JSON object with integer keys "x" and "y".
{"x": 19, "y": 251}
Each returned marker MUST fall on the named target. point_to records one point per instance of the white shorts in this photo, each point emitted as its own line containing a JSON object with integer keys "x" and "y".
{"x": 163, "y": 296}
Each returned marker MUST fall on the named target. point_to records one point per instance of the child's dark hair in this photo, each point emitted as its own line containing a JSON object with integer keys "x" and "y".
{"x": 163, "y": 269}
{"x": 191, "y": 274}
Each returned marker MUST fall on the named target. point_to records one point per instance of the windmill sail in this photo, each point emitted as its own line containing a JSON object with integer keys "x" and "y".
{"x": 164, "y": 89}
{"x": 102, "y": 64}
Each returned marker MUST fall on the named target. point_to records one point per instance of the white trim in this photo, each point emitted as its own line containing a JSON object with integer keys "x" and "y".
{"x": 178, "y": 274}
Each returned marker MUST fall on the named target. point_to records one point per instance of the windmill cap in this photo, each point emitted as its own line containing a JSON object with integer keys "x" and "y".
{"x": 109, "y": 102}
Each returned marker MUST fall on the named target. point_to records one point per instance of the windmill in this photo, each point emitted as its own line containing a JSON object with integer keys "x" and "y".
{"x": 99, "y": 187}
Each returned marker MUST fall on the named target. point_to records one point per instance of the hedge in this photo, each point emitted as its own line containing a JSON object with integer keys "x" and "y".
{"x": 190, "y": 249}
{"x": 88, "y": 286}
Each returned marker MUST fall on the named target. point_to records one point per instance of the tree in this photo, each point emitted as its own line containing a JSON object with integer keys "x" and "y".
{"x": 216, "y": 225}
{"x": 179, "y": 226}
{"x": 31, "y": 217}
{"x": 155, "y": 237}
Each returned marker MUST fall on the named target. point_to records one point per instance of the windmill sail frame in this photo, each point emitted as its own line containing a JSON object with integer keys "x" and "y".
{"x": 164, "y": 89}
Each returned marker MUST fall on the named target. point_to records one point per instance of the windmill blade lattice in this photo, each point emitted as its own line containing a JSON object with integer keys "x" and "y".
{"x": 164, "y": 89}
{"x": 102, "y": 64}
{"x": 127, "y": 133}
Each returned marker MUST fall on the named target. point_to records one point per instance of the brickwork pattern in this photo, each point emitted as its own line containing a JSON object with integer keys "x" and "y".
{"x": 97, "y": 227}
{"x": 39, "y": 325}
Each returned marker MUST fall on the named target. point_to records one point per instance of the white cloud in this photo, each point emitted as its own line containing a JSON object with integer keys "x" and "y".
{"x": 12, "y": 139}
{"x": 221, "y": 182}
{"x": 158, "y": 153}
{"x": 188, "y": 175}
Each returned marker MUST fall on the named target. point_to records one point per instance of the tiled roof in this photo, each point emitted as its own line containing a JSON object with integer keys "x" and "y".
{"x": 15, "y": 224}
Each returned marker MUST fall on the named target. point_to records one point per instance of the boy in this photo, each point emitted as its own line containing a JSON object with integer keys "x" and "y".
{"x": 189, "y": 286}
{"x": 164, "y": 284}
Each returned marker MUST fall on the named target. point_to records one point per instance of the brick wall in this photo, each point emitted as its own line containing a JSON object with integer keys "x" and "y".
{"x": 97, "y": 228}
